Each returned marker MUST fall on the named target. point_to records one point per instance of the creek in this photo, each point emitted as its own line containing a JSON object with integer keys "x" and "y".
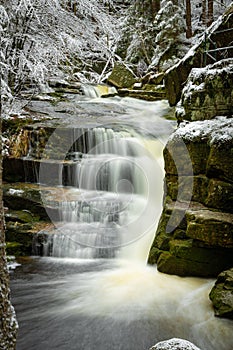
{"x": 92, "y": 288}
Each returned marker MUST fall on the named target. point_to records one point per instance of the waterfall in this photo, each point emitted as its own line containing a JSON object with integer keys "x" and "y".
{"x": 109, "y": 199}
{"x": 93, "y": 91}
{"x": 115, "y": 195}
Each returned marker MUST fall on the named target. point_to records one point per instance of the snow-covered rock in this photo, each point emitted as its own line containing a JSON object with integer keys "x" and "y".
{"x": 208, "y": 91}
{"x": 175, "y": 344}
{"x": 196, "y": 57}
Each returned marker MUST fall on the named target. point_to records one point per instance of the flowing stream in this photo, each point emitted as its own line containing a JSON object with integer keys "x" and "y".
{"x": 92, "y": 289}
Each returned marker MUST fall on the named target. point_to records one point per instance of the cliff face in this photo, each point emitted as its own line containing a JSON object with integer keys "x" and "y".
{"x": 195, "y": 233}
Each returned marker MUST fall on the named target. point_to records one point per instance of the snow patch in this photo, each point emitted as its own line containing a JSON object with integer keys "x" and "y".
{"x": 11, "y": 263}
{"x": 198, "y": 76}
{"x": 14, "y": 192}
{"x": 175, "y": 344}
{"x": 215, "y": 131}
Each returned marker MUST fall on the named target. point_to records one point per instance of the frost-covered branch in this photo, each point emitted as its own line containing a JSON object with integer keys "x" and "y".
{"x": 43, "y": 38}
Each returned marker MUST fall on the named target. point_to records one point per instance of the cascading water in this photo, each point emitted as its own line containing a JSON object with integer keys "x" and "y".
{"x": 109, "y": 208}
{"x": 115, "y": 183}
{"x": 94, "y": 91}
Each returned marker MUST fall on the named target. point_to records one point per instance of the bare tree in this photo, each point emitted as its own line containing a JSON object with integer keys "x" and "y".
{"x": 203, "y": 15}
{"x": 188, "y": 19}
{"x": 44, "y": 37}
{"x": 210, "y": 12}
{"x": 155, "y": 7}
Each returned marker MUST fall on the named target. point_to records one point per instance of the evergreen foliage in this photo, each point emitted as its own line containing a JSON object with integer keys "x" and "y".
{"x": 169, "y": 39}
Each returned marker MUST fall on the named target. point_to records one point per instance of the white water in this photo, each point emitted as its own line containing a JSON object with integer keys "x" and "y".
{"x": 94, "y": 91}
{"x": 116, "y": 199}
{"x": 127, "y": 291}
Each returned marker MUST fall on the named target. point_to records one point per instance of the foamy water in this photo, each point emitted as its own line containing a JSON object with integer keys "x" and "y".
{"x": 86, "y": 304}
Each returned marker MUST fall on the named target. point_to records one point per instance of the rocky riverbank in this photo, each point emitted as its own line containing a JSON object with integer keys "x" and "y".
{"x": 195, "y": 233}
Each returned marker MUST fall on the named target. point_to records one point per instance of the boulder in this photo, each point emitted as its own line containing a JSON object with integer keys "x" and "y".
{"x": 121, "y": 76}
{"x": 194, "y": 235}
{"x": 221, "y": 295}
{"x": 174, "y": 344}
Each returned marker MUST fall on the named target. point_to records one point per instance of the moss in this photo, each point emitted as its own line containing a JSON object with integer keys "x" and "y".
{"x": 23, "y": 216}
{"x": 154, "y": 255}
{"x": 14, "y": 125}
{"x": 14, "y": 248}
{"x": 222, "y": 295}
{"x": 121, "y": 76}
{"x": 186, "y": 266}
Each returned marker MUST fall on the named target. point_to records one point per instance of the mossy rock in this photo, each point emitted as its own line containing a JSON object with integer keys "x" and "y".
{"x": 22, "y": 216}
{"x": 192, "y": 261}
{"x": 190, "y": 187}
{"x": 208, "y": 95}
{"x": 27, "y": 197}
{"x": 221, "y": 295}
{"x": 169, "y": 264}
{"x": 14, "y": 248}
{"x": 154, "y": 255}
{"x": 162, "y": 238}
{"x": 167, "y": 230}
{"x": 194, "y": 156}
{"x": 121, "y": 76}
{"x": 19, "y": 238}
{"x": 220, "y": 162}
{"x": 220, "y": 195}
{"x": 213, "y": 228}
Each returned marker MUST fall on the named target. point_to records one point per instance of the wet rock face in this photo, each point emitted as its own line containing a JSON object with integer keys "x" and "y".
{"x": 208, "y": 92}
{"x": 174, "y": 344}
{"x": 195, "y": 233}
{"x": 222, "y": 295}
{"x": 26, "y": 213}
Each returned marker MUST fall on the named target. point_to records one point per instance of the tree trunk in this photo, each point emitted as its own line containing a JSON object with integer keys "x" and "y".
{"x": 147, "y": 7}
{"x": 203, "y": 15}
{"x": 155, "y": 7}
{"x": 210, "y": 12}
{"x": 188, "y": 19}
{"x": 8, "y": 324}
